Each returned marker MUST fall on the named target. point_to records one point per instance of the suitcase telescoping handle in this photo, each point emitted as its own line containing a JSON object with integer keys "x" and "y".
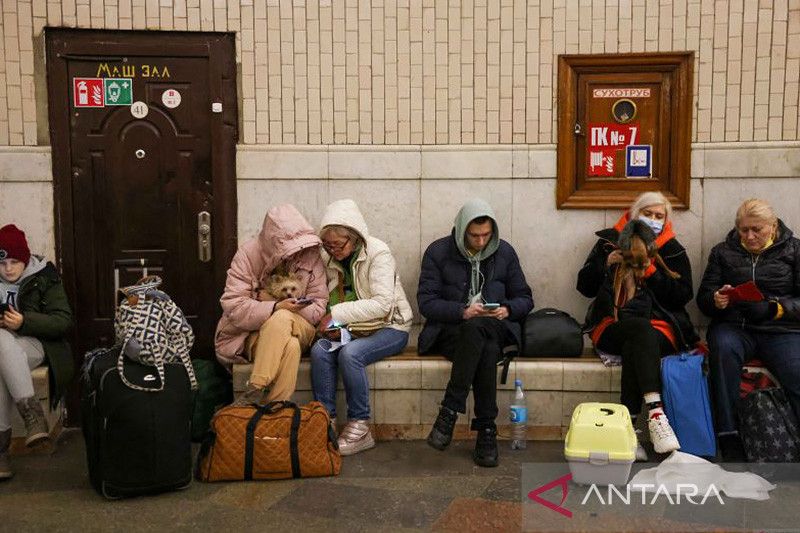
{"x": 140, "y": 262}
{"x": 249, "y": 446}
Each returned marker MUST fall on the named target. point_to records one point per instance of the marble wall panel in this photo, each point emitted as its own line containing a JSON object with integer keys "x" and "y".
{"x": 552, "y": 244}
{"x": 255, "y": 197}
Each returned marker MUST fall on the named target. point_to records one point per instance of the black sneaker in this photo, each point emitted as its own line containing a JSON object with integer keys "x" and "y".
{"x": 485, "y": 453}
{"x": 442, "y": 432}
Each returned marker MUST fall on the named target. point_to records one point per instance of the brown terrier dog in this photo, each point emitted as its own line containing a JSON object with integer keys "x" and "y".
{"x": 637, "y": 243}
{"x": 280, "y": 287}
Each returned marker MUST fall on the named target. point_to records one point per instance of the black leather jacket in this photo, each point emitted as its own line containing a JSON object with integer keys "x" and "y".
{"x": 776, "y": 272}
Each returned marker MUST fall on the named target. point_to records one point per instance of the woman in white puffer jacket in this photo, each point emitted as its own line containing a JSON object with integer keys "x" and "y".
{"x": 367, "y": 299}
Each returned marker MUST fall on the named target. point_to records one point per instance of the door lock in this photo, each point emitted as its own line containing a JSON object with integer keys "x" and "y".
{"x": 139, "y": 154}
{"x": 578, "y": 130}
{"x": 204, "y": 236}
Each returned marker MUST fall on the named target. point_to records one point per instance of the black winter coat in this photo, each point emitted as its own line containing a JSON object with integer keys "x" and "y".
{"x": 48, "y": 317}
{"x": 662, "y": 297}
{"x": 776, "y": 272}
{"x": 444, "y": 287}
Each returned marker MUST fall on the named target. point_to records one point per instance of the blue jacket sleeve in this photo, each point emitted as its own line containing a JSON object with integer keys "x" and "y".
{"x": 429, "y": 293}
{"x": 519, "y": 297}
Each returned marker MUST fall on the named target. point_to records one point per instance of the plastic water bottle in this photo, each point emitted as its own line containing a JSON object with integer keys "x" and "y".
{"x": 518, "y": 416}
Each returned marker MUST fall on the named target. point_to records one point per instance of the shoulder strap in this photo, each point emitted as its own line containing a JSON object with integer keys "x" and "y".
{"x": 181, "y": 336}
{"x": 159, "y": 364}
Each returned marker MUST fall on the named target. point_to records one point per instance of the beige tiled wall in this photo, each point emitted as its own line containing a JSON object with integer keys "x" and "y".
{"x": 438, "y": 71}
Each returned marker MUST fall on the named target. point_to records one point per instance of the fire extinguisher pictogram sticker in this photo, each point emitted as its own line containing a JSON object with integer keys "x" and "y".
{"x": 88, "y": 92}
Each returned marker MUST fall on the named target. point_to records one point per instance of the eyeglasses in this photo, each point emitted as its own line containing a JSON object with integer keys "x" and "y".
{"x": 330, "y": 247}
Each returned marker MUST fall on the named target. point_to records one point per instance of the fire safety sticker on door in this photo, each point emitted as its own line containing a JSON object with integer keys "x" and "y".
{"x": 605, "y": 140}
{"x": 102, "y": 92}
{"x": 118, "y": 91}
{"x": 88, "y": 92}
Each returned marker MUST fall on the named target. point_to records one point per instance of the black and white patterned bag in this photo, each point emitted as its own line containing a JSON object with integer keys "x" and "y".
{"x": 152, "y": 330}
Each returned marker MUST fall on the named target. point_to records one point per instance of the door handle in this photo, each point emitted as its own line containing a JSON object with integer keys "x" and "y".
{"x": 204, "y": 236}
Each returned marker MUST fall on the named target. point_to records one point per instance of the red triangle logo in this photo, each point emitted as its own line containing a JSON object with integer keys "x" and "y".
{"x": 563, "y": 482}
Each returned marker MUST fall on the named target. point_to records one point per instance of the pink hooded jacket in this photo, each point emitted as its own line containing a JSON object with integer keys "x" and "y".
{"x": 285, "y": 235}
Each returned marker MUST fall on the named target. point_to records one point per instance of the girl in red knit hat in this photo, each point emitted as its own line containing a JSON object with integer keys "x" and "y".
{"x": 34, "y": 319}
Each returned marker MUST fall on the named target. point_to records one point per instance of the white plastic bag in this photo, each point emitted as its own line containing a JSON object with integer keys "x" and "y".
{"x": 686, "y": 469}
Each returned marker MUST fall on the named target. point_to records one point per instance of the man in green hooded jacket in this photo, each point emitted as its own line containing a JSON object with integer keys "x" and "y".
{"x": 473, "y": 295}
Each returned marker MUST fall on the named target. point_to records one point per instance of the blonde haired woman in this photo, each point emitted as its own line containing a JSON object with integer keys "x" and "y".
{"x": 759, "y": 248}
{"x": 649, "y": 324}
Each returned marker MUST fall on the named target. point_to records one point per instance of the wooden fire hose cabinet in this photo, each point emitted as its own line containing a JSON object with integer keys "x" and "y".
{"x": 624, "y": 127}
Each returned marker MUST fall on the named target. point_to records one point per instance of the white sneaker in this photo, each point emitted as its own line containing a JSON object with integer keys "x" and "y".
{"x": 355, "y": 437}
{"x": 661, "y": 434}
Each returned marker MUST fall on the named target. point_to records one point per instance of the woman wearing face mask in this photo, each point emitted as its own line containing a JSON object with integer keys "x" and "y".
{"x": 650, "y": 324}
{"x": 762, "y": 249}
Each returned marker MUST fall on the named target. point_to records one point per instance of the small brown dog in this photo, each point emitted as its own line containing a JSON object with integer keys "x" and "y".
{"x": 637, "y": 243}
{"x": 280, "y": 287}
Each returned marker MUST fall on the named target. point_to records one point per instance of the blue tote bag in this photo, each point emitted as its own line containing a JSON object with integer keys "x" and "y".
{"x": 685, "y": 394}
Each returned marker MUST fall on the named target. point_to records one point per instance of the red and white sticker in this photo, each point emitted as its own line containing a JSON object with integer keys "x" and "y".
{"x": 88, "y": 92}
{"x": 605, "y": 139}
{"x": 614, "y": 92}
{"x": 171, "y": 98}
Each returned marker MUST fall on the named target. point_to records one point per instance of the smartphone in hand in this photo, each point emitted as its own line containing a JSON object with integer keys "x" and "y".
{"x": 303, "y": 301}
{"x": 4, "y": 308}
{"x": 491, "y": 306}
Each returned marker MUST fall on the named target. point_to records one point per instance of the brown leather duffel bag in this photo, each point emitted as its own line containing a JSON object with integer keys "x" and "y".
{"x": 278, "y": 440}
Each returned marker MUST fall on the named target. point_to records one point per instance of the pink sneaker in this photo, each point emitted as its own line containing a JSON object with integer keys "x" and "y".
{"x": 355, "y": 437}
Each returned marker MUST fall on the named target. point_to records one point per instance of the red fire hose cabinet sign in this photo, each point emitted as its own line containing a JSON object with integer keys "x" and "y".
{"x": 606, "y": 149}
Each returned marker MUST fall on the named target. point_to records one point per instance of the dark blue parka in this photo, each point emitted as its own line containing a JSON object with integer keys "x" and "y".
{"x": 444, "y": 284}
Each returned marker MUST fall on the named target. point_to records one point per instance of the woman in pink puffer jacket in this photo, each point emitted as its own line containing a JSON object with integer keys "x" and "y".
{"x": 254, "y": 327}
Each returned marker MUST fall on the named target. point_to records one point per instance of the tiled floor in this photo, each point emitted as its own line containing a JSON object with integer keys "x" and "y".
{"x": 398, "y": 486}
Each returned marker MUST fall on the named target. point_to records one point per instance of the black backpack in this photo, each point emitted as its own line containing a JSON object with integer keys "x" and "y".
{"x": 768, "y": 427}
{"x": 551, "y": 333}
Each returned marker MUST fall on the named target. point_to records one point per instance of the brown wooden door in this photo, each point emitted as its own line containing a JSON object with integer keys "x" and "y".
{"x": 608, "y": 102}
{"x": 648, "y": 94}
{"x": 129, "y": 186}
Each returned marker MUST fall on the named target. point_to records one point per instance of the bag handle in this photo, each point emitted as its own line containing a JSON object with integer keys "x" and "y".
{"x": 178, "y": 337}
{"x": 249, "y": 445}
{"x": 159, "y": 364}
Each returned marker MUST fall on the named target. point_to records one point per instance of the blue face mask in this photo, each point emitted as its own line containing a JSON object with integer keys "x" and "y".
{"x": 655, "y": 225}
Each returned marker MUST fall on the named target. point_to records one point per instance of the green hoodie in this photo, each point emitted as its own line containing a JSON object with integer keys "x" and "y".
{"x": 471, "y": 210}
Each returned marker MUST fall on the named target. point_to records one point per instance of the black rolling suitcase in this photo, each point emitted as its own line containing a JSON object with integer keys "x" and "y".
{"x": 137, "y": 442}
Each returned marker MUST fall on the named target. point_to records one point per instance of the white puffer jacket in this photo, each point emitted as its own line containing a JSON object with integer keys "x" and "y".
{"x": 376, "y": 283}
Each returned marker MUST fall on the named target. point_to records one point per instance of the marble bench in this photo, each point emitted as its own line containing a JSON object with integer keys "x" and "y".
{"x": 406, "y": 390}
{"x": 41, "y": 389}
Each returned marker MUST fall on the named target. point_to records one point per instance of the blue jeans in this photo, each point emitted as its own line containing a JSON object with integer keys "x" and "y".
{"x": 731, "y": 347}
{"x": 353, "y": 359}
